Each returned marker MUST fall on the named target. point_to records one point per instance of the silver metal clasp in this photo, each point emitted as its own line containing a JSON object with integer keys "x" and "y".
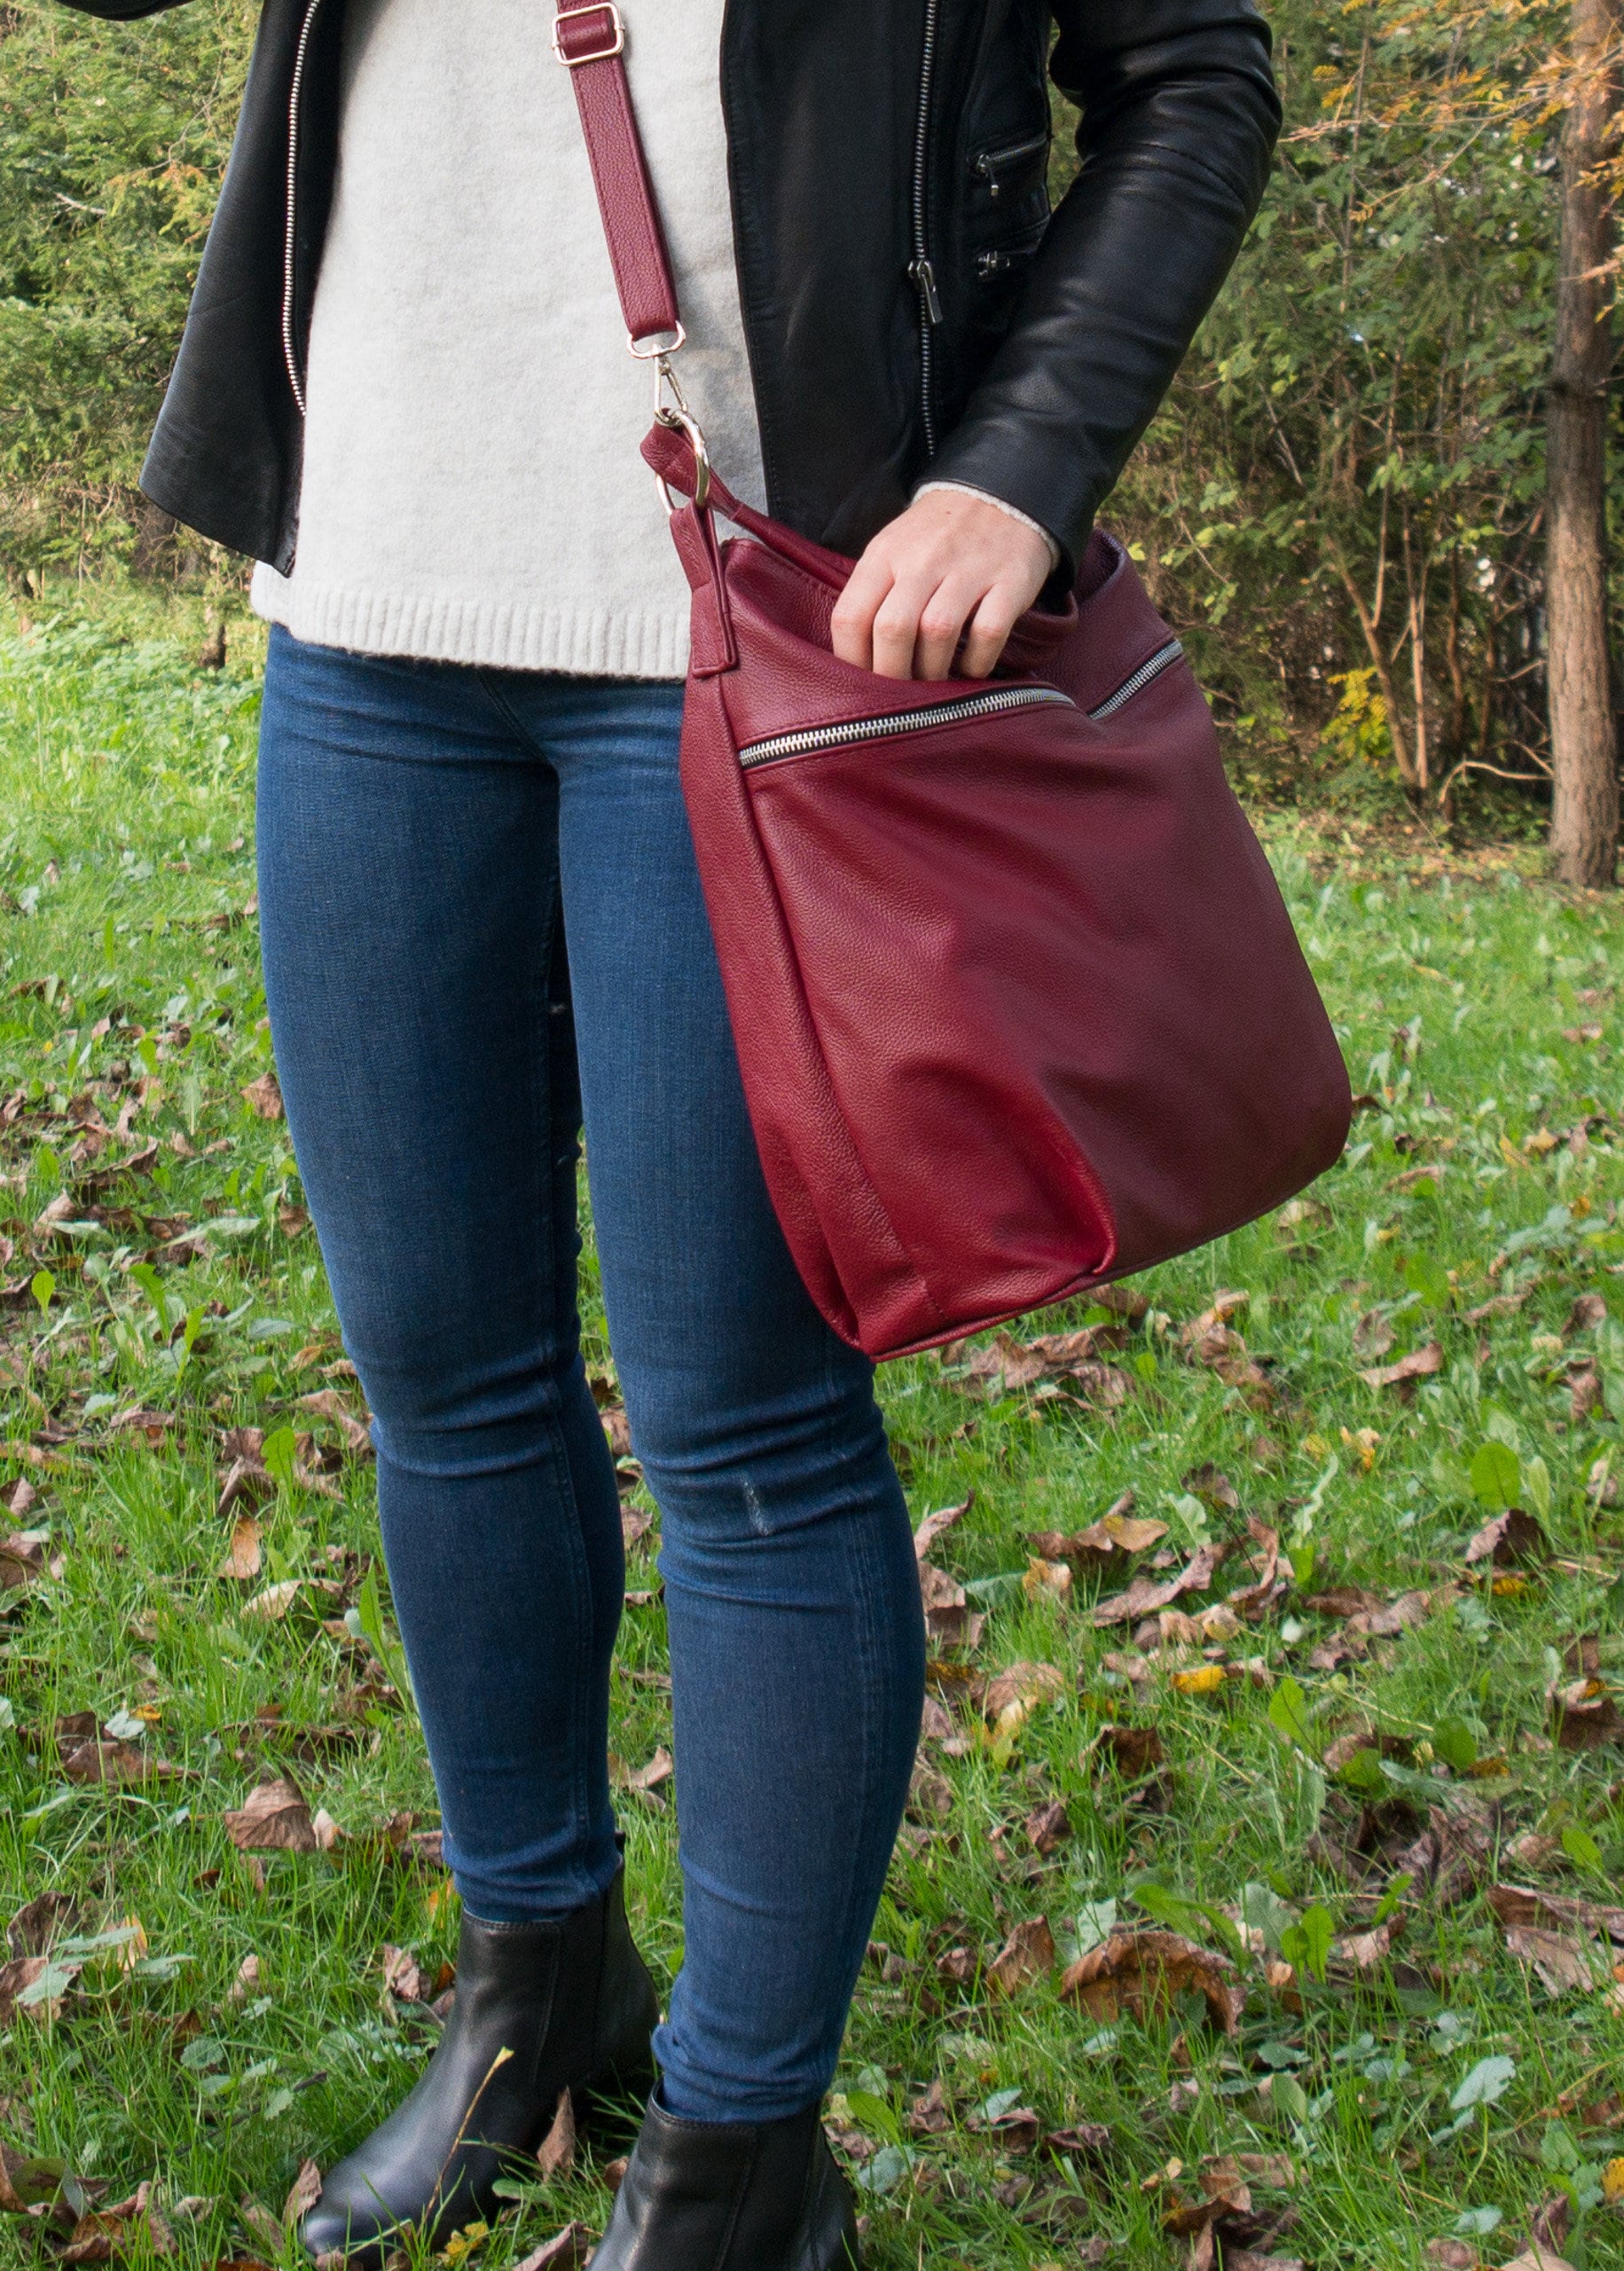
{"x": 616, "y": 29}
{"x": 670, "y": 408}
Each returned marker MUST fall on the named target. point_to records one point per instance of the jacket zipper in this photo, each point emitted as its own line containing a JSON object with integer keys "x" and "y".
{"x": 920, "y": 268}
{"x": 1151, "y": 667}
{"x": 996, "y": 701}
{"x": 290, "y": 347}
{"x": 990, "y": 704}
{"x": 992, "y": 163}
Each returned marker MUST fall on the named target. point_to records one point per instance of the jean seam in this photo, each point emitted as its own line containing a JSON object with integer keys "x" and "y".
{"x": 585, "y": 1624}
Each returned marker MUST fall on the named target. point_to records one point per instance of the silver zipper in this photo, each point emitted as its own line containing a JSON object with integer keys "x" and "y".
{"x": 919, "y": 270}
{"x": 290, "y": 350}
{"x": 1151, "y": 667}
{"x": 990, "y": 704}
{"x": 994, "y": 702}
{"x": 991, "y": 163}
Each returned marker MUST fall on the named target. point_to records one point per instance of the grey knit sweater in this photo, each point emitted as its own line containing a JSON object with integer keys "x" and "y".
{"x": 472, "y": 488}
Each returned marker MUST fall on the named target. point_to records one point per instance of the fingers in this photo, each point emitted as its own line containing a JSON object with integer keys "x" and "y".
{"x": 994, "y": 619}
{"x": 852, "y": 625}
{"x": 949, "y": 561}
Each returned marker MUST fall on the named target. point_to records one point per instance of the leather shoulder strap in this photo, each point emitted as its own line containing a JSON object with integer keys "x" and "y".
{"x": 590, "y": 40}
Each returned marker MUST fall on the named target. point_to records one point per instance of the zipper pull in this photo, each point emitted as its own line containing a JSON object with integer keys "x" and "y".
{"x": 924, "y": 277}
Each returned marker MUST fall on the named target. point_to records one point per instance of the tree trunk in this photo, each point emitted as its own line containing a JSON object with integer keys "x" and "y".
{"x": 1584, "y": 824}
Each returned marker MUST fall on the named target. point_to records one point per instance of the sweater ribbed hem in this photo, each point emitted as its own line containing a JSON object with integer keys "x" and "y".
{"x": 507, "y": 635}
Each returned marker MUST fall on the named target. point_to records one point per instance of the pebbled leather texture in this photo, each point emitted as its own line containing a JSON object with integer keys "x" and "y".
{"x": 762, "y": 2198}
{"x": 1057, "y": 339}
{"x": 1018, "y": 1003}
{"x": 620, "y": 172}
{"x": 574, "y": 2006}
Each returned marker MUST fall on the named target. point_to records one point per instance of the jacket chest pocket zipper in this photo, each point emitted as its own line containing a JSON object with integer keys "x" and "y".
{"x": 290, "y": 240}
{"x": 991, "y": 166}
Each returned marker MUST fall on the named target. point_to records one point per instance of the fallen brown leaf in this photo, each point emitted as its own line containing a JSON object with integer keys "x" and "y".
{"x": 1511, "y": 1540}
{"x": 1586, "y": 1716}
{"x": 264, "y": 1097}
{"x": 305, "y": 2193}
{"x": 1420, "y": 1364}
{"x": 1520, "y": 1904}
{"x": 274, "y": 1817}
{"x": 22, "y": 1973}
{"x": 555, "y": 2155}
{"x": 1452, "y": 2255}
{"x": 930, "y": 2115}
{"x": 1141, "y": 1972}
{"x": 1104, "y": 1545}
{"x": 33, "y": 1928}
{"x": 327, "y": 1403}
{"x": 244, "y": 1560}
{"x": 1028, "y": 1954}
{"x": 1145, "y": 1596}
{"x": 935, "y": 1525}
{"x": 1013, "y": 1696}
{"x": 1048, "y": 1826}
{"x": 566, "y": 2251}
{"x": 1561, "y": 1963}
{"x": 1134, "y": 1751}
{"x": 109, "y": 2234}
{"x": 1537, "y": 2259}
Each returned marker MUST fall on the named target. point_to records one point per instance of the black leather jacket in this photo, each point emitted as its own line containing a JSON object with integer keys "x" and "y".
{"x": 909, "y": 299}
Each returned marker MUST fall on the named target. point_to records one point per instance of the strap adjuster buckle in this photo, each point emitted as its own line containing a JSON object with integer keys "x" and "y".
{"x": 614, "y": 28}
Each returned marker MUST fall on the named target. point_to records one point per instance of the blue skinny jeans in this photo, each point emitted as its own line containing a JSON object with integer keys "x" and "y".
{"x": 428, "y": 834}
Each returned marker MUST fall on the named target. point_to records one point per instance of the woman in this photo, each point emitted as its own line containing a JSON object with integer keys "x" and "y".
{"x": 403, "y": 388}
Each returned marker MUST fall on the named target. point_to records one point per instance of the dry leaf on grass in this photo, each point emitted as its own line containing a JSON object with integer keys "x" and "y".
{"x": 1146, "y": 1595}
{"x": 1537, "y": 2259}
{"x": 327, "y": 1403}
{"x": 273, "y": 1819}
{"x": 305, "y": 2192}
{"x": 264, "y": 2225}
{"x": 1140, "y": 1973}
{"x": 1520, "y": 1904}
{"x": 35, "y": 1985}
{"x": 1586, "y": 1716}
{"x": 1420, "y": 1364}
{"x": 244, "y": 1559}
{"x": 1014, "y": 1695}
{"x": 1104, "y": 1545}
{"x": 34, "y": 1927}
{"x": 109, "y": 2234}
{"x": 1048, "y": 1826}
{"x": 264, "y": 1097}
{"x": 1511, "y": 1540}
{"x": 1075, "y": 1357}
{"x": 1134, "y": 1751}
{"x": 566, "y": 2251}
{"x": 935, "y": 1524}
{"x": 1028, "y": 1954}
{"x": 555, "y": 2155}
{"x": 1452, "y": 2255}
{"x": 1562, "y": 1964}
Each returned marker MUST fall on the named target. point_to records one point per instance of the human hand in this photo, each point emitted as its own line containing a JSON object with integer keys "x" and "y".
{"x": 951, "y": 560}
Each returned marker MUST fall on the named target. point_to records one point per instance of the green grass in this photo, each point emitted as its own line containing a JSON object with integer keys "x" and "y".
{"x": 128, "y": 958}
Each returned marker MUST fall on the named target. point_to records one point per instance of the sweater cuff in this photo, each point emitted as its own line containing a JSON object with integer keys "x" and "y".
{"x": 1013, "y": 512}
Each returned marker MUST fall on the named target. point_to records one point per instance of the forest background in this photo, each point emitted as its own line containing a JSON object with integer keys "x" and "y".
{"x": 1342, "y": 500}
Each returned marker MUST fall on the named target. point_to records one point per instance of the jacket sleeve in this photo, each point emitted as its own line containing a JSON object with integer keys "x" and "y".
{"x": 1180, "y": 117}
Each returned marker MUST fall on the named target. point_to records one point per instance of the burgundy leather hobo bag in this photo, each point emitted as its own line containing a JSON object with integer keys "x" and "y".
{"x": 1018, "y": 1003}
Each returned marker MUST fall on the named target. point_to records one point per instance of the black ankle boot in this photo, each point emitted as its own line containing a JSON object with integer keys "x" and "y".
{"x": 574, "y": 2005}
{"x": 765, "y": 2196}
